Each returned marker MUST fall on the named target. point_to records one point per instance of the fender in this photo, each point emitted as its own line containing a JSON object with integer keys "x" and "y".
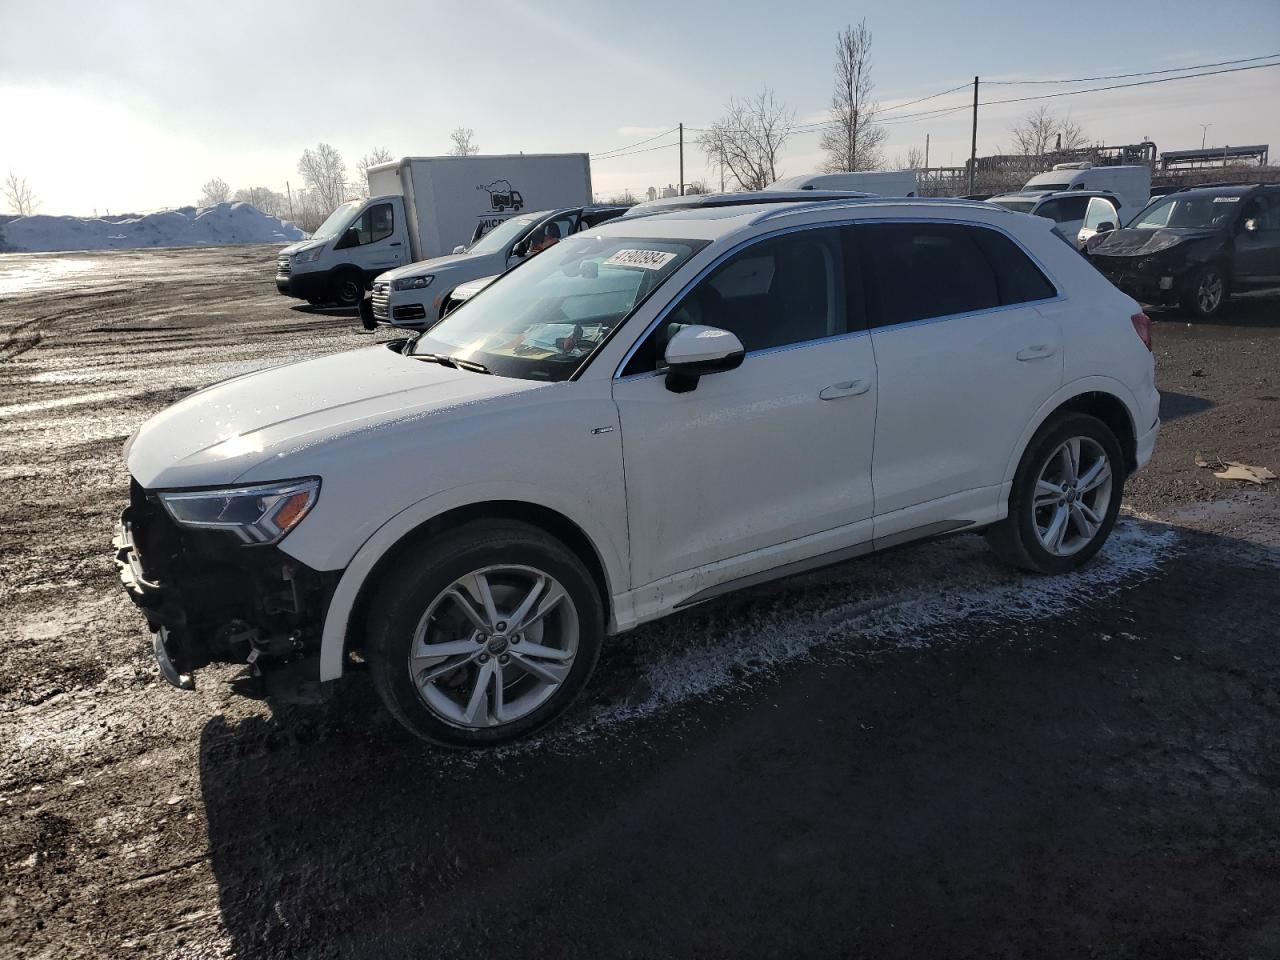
{"x": 1068, "y": 391}
{"x": 333, "y": 638}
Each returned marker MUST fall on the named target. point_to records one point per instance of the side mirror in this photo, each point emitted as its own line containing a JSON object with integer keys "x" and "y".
{"x": 695, "y": 351}
{"x": 1251, "y": 225}
{"x": 521, "y": 249}
{"x": 459, "y": 249}
{"x": 349, "y": 239}
{"x": 1106, "y": 226}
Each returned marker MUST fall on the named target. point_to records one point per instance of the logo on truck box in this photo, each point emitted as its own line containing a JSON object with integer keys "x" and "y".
{"x": 502, "y": 196}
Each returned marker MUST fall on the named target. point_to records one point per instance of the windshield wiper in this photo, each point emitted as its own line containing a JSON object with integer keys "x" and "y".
{"x": 452, "y": 362}
{"x": 436, "y": 358}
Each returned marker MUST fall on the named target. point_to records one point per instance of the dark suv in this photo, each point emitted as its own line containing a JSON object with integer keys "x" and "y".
{"x": 1196, "y": 247}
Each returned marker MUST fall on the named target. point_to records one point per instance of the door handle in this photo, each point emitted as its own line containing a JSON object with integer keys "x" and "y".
{"x": 396, "y": 244}
{"x": 850, "y": 388}
{"x": 1038, "y": 352}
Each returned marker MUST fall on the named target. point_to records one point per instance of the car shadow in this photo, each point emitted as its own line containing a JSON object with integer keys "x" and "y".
{"x": 1018, "y": 785}
{"x": 1174, "y": 406}
{"x": 326, "y": 311}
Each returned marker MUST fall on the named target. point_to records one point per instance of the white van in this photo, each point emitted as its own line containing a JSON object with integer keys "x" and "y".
{"x": 1130, "y": 183}
{"x": 882, "y": 183}
{"x": 424, "y": 207}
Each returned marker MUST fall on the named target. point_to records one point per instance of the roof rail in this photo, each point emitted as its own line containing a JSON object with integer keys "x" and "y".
{"x": 789, "y": 209}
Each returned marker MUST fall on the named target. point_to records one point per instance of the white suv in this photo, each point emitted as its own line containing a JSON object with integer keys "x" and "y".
{"x": 643, "y": 417}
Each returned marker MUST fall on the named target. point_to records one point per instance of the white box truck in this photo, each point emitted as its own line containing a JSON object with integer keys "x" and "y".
{"x": 883, "y": 183}
{"x": 422, "y": 207}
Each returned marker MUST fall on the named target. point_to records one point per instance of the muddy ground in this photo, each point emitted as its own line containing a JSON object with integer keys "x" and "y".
{"x": 918, "y": 754}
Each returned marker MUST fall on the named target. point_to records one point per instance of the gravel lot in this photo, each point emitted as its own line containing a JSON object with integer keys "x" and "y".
{"x": 919, "y": 754}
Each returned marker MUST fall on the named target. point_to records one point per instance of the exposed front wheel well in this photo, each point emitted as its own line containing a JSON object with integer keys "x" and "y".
{"x": 1111, "y": 410}
{"x": 555, "y": 524}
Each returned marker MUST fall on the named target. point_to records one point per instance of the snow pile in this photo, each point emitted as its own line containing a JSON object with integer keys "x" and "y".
{"x": 226, "y": 223}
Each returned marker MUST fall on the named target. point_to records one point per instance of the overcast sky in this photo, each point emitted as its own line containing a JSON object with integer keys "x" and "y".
{"x": 126, "y": 106}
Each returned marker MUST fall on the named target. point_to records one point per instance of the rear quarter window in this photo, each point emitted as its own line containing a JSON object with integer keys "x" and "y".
{"x": 1018, "y": 279}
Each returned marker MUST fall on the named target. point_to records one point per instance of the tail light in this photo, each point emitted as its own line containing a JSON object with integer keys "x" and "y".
{"x": 1142, "y": 327}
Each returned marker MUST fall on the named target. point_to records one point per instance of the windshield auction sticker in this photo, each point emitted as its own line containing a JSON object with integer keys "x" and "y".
{"x": 645, "y": 259}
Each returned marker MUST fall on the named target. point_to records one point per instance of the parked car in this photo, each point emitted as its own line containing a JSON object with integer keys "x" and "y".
{"x": 1196, "y": 247}
{"x": 783, "y": 387}
{"x": 415, "y": 296}
{"x": 704, "y": 201}
{"x": 1131, "y": 183}
{"x": 1079, "y": 214}
{"x": 465, "y": 291}
{"x": 419, "y": 208}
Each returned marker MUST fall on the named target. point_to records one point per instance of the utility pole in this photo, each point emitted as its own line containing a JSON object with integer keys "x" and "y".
{"x": 973, "y": 148}
{"x": 926, "y": 151}
{"x": 682, "y": 159}
{"x": 1204, "y": 130}
{"x": 289, "y": 191}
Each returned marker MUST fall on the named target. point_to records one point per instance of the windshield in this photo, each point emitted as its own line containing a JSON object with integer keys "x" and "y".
{"x": 1199, "y": 213}
{"x": 336, "y": 221}
{"x": 497, "y": 239}
{"x": 1018, "y": 206}
{"x": 1047, "y": 186}
{"x": 543, "y": 320}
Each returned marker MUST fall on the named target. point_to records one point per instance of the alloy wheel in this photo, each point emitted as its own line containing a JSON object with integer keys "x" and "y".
{"x": 494, "y": 646}
{"x": 1072, "y": 496}
{"x": 1209, "y": 291}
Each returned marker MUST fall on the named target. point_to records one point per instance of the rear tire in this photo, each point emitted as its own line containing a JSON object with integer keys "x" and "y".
{"x": 1065, "y": 497}
{"x": 346, "y": 289}
{"x": 1206, "y": 292}
{"x": 434, "y": 641}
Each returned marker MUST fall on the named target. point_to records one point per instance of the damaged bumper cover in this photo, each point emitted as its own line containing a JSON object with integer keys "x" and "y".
{"x": 207, "y": 599}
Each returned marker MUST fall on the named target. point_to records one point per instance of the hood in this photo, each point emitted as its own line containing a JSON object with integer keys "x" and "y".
{"x": 1143, "y": 243}
{"x": 216, "y": 435}
{"x": 298, "y": 247}
{"x": 440, "y": 264}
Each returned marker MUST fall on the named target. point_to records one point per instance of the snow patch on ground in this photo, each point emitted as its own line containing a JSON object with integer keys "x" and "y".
{"x": 226, "y": 223}
{"x": 885, "y": 601}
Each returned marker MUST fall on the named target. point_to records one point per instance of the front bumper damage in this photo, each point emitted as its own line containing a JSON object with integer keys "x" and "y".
{"x": 208, "y": 600}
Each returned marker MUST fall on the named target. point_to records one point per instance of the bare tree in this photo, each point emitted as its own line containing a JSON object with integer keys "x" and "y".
{"x": 854, "y": 139}
{"x": 464, "y": 144}
{"x": 214, "y": 192}
{"x": 264, "y": 198}
{"x": 912, "y": 160}
{"x": 324, "y": 172}
{"x": 695, "y": 187}
{"x": 746, "y": 141}
{"x": 371, "y": 159}
{"x": 1040, "y": 132}
{"x": 22, "y": 199}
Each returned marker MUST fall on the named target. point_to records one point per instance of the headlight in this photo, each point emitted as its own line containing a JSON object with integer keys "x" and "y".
{"x": 308, "y": 256}
{"x": 412, "y": 283}
{"x": 257, "y": 515}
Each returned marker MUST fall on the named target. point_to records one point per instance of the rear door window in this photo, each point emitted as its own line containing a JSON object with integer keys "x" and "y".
{"x": 1063, "y": 209}
{"x": 921, "y": 271}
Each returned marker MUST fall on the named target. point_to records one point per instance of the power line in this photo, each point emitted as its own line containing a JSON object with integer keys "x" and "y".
{"x": 1125, "y": 76}
{"x": 630, "y": 153}
{"x": 603, "y": 154}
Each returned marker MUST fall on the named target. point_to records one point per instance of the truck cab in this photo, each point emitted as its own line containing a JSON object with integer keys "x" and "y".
{"x": 358, "y": 241}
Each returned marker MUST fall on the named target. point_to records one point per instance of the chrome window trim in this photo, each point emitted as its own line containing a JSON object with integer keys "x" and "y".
{"x": 844, "y": 222}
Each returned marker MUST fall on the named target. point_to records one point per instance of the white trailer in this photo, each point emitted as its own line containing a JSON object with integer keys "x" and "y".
{"x": 420, "y": 208}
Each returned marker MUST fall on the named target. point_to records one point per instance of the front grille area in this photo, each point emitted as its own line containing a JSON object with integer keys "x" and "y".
{"x": 411, "y": 312}
{"x": 381, "y": 300}
{"x": 283, "y": 267}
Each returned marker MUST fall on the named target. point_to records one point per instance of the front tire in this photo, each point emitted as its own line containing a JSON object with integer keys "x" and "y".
{"x": 347, "y": 289}
{"x": 484, "y": 634}
{"x": 1206, "y": 292}
{"x": 1065, "y": 496}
